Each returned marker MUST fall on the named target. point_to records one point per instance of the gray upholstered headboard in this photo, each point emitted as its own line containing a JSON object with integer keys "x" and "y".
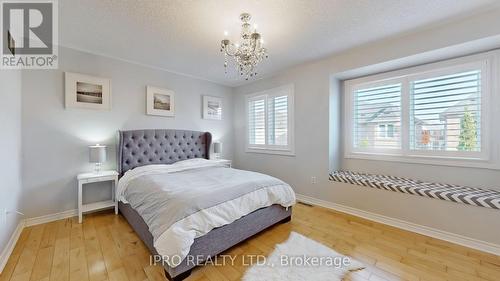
{"x": 144, "y": 147}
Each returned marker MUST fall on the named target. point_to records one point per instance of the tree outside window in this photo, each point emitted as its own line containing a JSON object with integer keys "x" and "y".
{"x": 468, "y": 132}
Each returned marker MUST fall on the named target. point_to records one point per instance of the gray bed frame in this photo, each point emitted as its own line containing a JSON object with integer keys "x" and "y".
{"x": 163, "y": 146}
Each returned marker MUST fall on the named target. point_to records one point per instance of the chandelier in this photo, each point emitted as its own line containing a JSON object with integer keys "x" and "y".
{"x": 247, "y": 53}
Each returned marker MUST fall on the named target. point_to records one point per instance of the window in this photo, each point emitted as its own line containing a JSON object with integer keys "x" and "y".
{"x": 257, "y": 121}
{"x": 382, "y": 132}
{"x": 445, "y": 111}
{"x": 377, "y": 111}
{"x": 430, "y": 114}
{"x": 390, "y": 131}
{"x": 270, "y": 121}
{"x": 386, "y": 131}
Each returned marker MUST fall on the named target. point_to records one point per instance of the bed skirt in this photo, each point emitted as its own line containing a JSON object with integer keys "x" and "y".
{"x": 214, "y": 242}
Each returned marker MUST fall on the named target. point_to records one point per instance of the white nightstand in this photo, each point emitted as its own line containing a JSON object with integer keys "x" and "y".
{"x": 97, "y": 177}
{"x": 224, "y": 162}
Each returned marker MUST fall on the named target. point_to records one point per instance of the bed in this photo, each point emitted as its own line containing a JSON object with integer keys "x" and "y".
{"x": 147, "y": 148}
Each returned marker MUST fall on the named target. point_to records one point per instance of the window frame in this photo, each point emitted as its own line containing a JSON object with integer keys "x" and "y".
{"x": 289, "y": 149}
{"x": 487, "y": 63}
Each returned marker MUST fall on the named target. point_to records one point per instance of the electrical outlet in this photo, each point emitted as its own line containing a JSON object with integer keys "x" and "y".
{"x": 313, "y": 180}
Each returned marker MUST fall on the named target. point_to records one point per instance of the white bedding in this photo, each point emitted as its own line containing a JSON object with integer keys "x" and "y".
{"x": 178, "y": 237}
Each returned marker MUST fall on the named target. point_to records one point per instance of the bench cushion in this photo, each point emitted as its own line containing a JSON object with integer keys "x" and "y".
{"x": 488, "y": 198}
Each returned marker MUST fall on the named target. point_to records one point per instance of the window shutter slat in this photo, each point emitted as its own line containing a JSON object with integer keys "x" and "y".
{"x": 278, "y": 121}
{"x": 269, "y": 121}
{"x": 377, "y": 117}
{"x": 256, "y": 121}
{"x": 445, "y": 112}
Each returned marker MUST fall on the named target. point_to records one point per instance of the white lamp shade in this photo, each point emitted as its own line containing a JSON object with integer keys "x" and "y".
{"x": 217, "y": 147}
{"x": 97, "y": 153}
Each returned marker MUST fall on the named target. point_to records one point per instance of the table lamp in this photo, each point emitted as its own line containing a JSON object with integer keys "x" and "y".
{"x": 217, "y": 149}
{"x": 97, "y": 155}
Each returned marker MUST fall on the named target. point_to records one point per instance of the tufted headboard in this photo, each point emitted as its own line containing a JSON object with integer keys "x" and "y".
{"x": 144, "y": 147}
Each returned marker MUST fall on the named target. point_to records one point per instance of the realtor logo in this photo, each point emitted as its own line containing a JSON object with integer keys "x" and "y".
{"x": 29, "y": 34}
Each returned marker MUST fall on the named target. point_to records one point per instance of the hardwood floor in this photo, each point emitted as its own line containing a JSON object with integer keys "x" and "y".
{"x": 104, "y": 247}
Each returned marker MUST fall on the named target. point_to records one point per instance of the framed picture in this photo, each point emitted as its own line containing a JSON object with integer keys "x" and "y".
{"x": 84, "y": 91}
{"x": 160, "y": 102}
{"x": 212, "y": 108}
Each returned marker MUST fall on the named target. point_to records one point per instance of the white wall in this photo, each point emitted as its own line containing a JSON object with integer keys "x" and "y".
{"x": 55, "y": 139}
{"x": 10, "y": 151}
{"x": 318, "y": 134}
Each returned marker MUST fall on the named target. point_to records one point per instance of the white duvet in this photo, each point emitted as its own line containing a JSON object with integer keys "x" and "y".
{"x": 174, "y": 240}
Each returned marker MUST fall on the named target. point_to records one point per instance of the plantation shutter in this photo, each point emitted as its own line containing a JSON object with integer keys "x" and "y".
{"x": 270, "y": 121}
{"x": 278, "y": 120}
{"x": 445, "y": 112}
{"x": 257, "y": 121}
{"x": 377, "y": 117}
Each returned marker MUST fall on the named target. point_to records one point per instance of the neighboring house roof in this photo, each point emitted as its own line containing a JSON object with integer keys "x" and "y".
{"x": 458, "y": 108}
{"x": 385, "y": 114}
{"x": 376, "y": 114}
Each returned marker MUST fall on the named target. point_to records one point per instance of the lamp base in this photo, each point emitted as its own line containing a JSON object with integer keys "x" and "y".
{"x": 97, "y": 168}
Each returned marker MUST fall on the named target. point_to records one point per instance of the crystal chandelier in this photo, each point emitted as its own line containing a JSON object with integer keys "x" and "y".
{"x": 246, "y": 54}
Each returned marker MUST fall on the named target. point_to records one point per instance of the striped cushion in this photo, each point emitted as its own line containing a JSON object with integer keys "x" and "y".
{"x": 455, "y": 193}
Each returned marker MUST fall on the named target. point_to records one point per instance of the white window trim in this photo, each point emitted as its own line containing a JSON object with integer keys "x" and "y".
{"x": 289, "y": 150}
{"x": 490, "y": 149}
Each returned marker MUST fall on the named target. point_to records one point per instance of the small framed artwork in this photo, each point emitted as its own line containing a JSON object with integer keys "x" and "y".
{"x": 212, "y": 108}
{"x": 160, "y": 102}
{"x": 84, "y": 91}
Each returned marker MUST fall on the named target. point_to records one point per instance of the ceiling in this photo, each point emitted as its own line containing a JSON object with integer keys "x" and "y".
{"x": 184, "y": 36}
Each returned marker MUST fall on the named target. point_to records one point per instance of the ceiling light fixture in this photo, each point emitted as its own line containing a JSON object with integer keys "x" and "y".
{"x": 248, "y": 53}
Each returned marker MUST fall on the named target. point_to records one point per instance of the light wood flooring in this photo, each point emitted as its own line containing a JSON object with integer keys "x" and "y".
{"x": 105, "y": 247}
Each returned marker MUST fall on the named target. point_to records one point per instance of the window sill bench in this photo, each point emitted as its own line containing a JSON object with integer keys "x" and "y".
{"x": 459, "y": 194}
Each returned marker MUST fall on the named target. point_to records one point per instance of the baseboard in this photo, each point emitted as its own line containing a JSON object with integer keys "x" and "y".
{"x": 420, "y": 229}
{"x": 51, "y": 217}
{"x": 7, "y": 251}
